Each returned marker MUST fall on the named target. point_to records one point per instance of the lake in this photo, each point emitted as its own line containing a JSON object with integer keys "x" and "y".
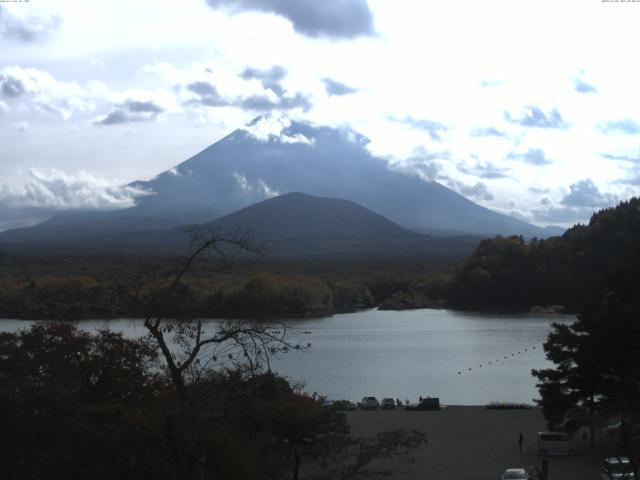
{"x": 457, "y": 356}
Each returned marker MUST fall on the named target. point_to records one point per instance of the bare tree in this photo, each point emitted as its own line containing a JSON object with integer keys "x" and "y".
{"x": 195, "y": 354}
{"x": 191, "y": 348}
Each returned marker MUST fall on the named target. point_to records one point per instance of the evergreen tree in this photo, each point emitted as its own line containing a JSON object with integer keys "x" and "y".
{"x": 596, "y": 359}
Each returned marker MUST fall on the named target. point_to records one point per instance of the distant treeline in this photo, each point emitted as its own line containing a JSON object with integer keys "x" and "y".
{"x": 97, "y": 287}
{"x": 503, "y": 274}
{"x": 571, "y": 270}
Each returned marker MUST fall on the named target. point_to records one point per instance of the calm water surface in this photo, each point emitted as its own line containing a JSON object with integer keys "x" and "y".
{"x": 407, "y": 354}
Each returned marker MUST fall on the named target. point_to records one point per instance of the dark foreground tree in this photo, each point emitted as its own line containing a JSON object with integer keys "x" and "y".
{"x": 75, "y": 405}
{"x": 596, "y": 360}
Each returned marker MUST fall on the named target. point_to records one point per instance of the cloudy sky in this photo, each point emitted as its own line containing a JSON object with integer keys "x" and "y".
{"x": 528, "y": 107}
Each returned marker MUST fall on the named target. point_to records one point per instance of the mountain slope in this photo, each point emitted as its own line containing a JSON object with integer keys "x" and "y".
{"x": 297, "y": 225}
{"x": 248, "y": 166}
{"x": 242, "y": 169}
{"x": 297, "y": 214}
{"x": 291, "y": 226}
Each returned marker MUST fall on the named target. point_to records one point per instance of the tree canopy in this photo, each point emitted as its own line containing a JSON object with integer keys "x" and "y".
{"x": 511, "y": 273}
{"x": 596, "y": 371}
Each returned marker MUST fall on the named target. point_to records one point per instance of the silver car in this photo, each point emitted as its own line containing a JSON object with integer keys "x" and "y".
{"x": 515, "y": 474}
{"x": 369, "y": 403}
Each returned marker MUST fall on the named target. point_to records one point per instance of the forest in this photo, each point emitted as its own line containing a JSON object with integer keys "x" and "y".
{"x": 73, "y": 288}
{"x": 514, "y": 274}
{"x": 503, "y": 274}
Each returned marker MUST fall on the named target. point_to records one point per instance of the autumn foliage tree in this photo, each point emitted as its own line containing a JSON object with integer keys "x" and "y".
{"x": 76, "y": 405}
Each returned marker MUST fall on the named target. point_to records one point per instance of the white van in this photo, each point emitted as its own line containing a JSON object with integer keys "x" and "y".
{"x": 555, "y": 443}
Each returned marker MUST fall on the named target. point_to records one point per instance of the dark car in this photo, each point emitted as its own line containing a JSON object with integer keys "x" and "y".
{"x": 429, "y": 403}
{"x": 388, "y": 404}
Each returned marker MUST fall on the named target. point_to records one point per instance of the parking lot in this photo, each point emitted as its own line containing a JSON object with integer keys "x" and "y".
{"x": 471, "y": 443}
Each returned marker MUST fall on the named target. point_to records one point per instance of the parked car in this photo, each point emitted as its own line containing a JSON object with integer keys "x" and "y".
{"x": 343, "y": 405}
{"x": 515, "y": 474}
{"x": 617, "y": 468}
{"x": 388, "y": 403}
{"x": 428, "y": 403}
{"x": 555, "y": 443}
{"x": 369, "y": 403}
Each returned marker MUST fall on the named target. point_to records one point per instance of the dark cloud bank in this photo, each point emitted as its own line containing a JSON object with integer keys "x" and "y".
{"x": 131, "y": 111}
{"x": 337, "y": 19}
{"x": 207, "y": 94}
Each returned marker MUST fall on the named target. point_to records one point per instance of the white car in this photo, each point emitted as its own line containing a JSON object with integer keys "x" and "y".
{"x": 369, "y": 403}
{"x": 515, "y": 474}
{"x": 617, "y": 468}
{"x": 555, "y": 443}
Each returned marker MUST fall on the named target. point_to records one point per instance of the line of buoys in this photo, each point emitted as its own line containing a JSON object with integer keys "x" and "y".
{"x": 505, "y": 357}
{"x": 507, "y": 406}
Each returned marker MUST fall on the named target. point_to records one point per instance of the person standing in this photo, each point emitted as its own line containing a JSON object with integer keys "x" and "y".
{"x": 545, "y": 468}
{"x": 520, "y": 440}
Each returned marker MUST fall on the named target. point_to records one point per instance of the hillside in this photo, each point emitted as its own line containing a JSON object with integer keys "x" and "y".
{"x": 291, "y": 226}
{"x": 576, "y": 268}
{"x": 297, "y": 225}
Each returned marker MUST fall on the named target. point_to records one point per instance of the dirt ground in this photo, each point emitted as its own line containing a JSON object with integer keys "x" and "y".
{"x": 470, "y": 443}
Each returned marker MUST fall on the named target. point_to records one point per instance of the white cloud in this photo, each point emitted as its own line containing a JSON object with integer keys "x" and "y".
{"x": 260, "y": 185}
{"x": 29, "y": 29}
{"x": 242, "y": 181}
{"x": 502, "y": 64}
{"x": 584, "y": 193}
{"x": 48, "y": 95}
{"x": 266, "y": 189}
{"x": 54, "y": 190}
{"x": 268, "y": 127}
{"x": 477, "y": 191}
